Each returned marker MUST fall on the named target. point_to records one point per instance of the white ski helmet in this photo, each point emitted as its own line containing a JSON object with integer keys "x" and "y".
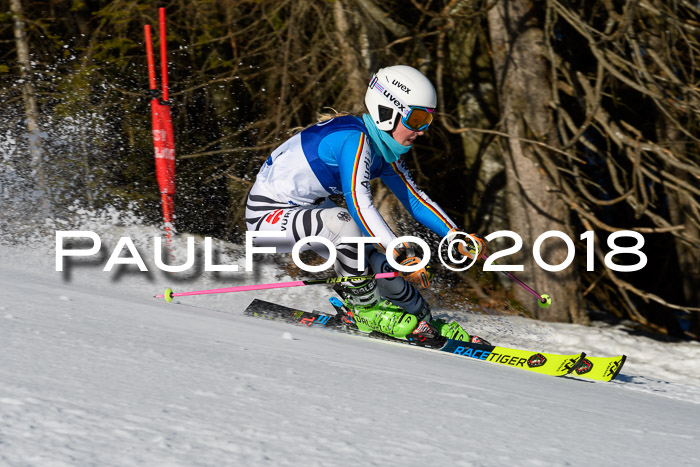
{"x": 393, "y": 91}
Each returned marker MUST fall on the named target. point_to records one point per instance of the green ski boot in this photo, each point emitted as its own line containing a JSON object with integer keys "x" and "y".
{"x": 371, "y": 313}
{"x": 384, "y": 317}
{"x": 453, "y": 330}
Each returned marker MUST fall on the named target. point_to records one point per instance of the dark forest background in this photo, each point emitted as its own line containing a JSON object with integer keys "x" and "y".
{"x": 553, "y": 115}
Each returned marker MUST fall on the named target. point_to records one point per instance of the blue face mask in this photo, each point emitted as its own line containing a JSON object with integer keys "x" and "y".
{"x": 390, "y": 149}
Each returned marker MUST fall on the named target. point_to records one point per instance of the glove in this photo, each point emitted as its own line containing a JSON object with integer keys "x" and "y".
{"x": 420, "y": 277}
{"x": 406, "y": 256}
{"x": 467, "y": 248}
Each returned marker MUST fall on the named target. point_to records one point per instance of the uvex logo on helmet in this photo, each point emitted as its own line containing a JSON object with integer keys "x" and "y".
{"x": 401, "y": 86}
{"x": 397, "y": 103}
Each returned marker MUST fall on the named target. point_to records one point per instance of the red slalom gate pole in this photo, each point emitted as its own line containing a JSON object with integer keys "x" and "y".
{"x": 163, "y": 134}
{"x": 163, "y": 54}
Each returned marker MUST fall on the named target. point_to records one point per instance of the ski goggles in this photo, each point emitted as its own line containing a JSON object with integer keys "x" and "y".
{"x": 418, "y": 118}
{"x": 414, "y": 118}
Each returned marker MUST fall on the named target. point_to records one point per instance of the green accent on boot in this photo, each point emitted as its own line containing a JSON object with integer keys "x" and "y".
{"x": 451, "y": 330}
{"x": 385, "y": 317}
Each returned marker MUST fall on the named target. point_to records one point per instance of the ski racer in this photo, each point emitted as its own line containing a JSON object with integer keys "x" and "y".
{"x": 341, "y": 156}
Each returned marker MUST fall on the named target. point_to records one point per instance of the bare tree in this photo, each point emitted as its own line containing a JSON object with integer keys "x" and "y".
{"x": 521, "y": 73}
{"x": 30, "y": 104}
{"x": 624, "y": 86}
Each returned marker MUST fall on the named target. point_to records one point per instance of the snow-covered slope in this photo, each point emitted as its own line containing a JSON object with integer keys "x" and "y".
{"x": 94, "y": 371}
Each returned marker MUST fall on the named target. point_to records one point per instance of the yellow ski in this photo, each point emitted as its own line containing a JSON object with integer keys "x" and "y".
{"x": 600, "y": 368}
{"x": 539, "y": 362}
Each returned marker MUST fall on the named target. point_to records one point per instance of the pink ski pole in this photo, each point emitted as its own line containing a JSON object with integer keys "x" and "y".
{"x": 169, "y": 294}
{"x": 543, "y": 300}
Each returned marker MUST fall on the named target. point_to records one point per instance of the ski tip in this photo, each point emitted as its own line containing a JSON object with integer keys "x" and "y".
{"x": 168, "y": 295}
{"x": 545, "y": 302}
